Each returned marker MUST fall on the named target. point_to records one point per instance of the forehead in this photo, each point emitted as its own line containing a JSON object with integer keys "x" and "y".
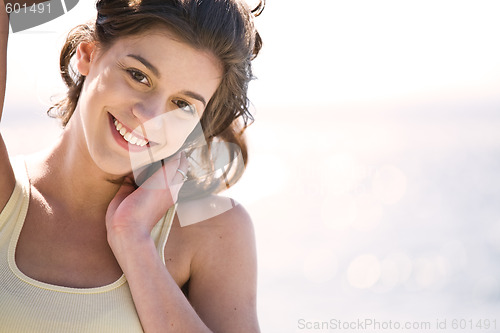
{"x": 169, "y": 54}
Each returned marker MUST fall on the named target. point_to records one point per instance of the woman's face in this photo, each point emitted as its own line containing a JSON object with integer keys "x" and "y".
{"x": 141, "y": 98}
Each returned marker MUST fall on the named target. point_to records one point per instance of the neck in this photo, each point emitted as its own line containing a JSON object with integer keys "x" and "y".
{"x": 67, "y": 174}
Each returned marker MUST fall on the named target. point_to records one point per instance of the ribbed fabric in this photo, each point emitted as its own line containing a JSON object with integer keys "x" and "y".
{"x": 28, "y": 305}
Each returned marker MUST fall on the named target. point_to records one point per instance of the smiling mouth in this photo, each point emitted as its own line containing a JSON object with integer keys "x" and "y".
{"x": 128, "y": 135}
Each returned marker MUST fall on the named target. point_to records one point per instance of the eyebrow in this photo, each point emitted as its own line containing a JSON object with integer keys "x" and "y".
{"x": 156, "y": 72}
{"x": 195, "y": 96}
{"x": 146, "y": 63}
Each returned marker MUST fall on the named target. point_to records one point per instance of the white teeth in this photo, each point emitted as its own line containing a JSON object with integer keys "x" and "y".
{"x": 129, "y": 137}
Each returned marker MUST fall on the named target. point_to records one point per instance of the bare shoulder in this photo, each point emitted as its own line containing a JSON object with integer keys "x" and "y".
{"x": 215, "y": 222}
{"x": 213, "y": 210}
{"x": 223, "y": 277}
{"x": 208, "y": 225}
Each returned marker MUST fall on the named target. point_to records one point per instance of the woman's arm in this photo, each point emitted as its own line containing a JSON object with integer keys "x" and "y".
{"x": 223, "y": 270}
{"x": 223, "y": 278}
{"x": 161, "y": 305}
{"x": 222, "y": 285}
{"x": 131, "y": 215}
{"x": 7, "y": 179}
{"x": 4, "y": 35}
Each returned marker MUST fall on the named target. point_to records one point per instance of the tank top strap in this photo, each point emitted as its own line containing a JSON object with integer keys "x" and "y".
{"x": 161, "y": 231}
{"x": 17, "y": 205}
{"x": 21, "y": 172}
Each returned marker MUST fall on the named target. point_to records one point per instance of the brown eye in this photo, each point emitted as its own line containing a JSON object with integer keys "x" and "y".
{"x": 139, "y": 76}
{"x": 185, "y": 106}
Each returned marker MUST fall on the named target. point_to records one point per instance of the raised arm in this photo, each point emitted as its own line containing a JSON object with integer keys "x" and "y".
{"x": 7, "y": 180}
{"x": 4, "y": 35}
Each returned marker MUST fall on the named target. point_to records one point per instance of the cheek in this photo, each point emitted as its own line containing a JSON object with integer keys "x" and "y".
{"x": 177, "y": 133}
{"x": 174, "y": 134}
{"x": 106, "y": 88}
{"x": 168, "y": 129}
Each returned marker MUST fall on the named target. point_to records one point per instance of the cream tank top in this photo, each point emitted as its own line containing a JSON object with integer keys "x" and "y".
{"x": 28, "y": 305}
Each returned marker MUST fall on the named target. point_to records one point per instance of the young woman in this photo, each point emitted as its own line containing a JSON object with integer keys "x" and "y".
{"x": 84, "y": 224}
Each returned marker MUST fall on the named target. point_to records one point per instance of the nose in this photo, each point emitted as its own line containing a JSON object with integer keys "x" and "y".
{"x": 150, "y": 112}
{"x": 148, "y": 109}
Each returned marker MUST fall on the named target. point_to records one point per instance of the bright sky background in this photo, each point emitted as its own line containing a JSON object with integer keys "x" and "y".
{"x": 337, "y": 52}
{"x": 364, "y": 110}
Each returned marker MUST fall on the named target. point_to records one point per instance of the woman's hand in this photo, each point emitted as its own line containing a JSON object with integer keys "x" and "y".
{"x": 131, "y": 216}
{"x": 133, "y": 212}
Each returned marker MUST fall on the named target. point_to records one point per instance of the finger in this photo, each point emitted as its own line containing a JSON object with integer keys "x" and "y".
{"x": 184, "y": 164}
{"x": 180, "y": 177}
{"x": 124, "y": 191}
{"x": 155, "y": 178}
{"x": 159, "y": 192}
{"x": 181, "y": 171}
{"x": 150, "y": 204}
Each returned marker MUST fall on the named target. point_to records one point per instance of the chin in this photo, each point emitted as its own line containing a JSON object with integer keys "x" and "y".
{"x": 110, "y": 163}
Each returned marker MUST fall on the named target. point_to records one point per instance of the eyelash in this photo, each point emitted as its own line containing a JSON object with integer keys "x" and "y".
{"x": 134, "y": 72}
{"x": 179, "y": 102}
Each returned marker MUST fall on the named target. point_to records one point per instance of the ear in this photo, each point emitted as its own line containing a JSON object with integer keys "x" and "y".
{"x": 84, "y": 57}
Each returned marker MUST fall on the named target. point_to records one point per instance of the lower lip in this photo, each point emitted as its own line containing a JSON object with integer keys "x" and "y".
{"x": 120, "y": 140}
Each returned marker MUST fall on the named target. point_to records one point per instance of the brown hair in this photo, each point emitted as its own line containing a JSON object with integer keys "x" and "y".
{"x": 225, "y": 28}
